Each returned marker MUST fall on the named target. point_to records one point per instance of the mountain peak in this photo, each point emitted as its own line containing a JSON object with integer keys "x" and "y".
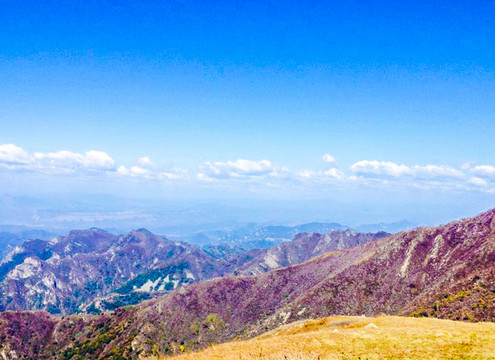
{"x": 144, "y": 237}
{"x": 143, "y": 231}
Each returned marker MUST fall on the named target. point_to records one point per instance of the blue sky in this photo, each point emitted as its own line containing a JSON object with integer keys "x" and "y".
{"x": 243, "y": 99}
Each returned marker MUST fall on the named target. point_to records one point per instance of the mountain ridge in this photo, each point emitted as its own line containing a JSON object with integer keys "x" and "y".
{"x": 94, "y": 270}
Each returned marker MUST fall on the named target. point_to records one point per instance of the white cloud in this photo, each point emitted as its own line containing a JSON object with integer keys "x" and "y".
{"x": 98, "y": 160}
{"x": 173, "y": 174}
{"x": 235, "y": 169}
{"x": 70, "y": 161}
{"x": 479, "y": 182}
{"x": 205, "y": 178}
{"x": 483, "y": 170}
{"x": 133, "y": 171}
{"x": 260, "y": 173}
{"x": 380, "y": 168}
{"x": 334, "y": 173}
{"x": 429, "y": 177}
{"x": 14, "y": 157}
{"x": 329, "y": 159}
{"x": 317, "y": 176}
{"x": 122, "y": 170}
{"x": 139, "y": 171}
{"x": 306, "y": 174}
{"x": 145, "y": 162}
{"x": 147, "y": 173}
{"x": 386, "y": 169}
{"x": 11, "y": 155}
{"x": 436, "y": 171}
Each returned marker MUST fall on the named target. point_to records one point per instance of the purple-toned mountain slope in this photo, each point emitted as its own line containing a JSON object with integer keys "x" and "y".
{"x": 93, "y": 270}
{"x": 303, "y": 247}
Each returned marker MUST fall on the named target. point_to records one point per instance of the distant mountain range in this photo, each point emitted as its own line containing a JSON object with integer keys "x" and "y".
{"x": 391, "y": 228}
{"x": 221, "y": 241}
{"x": 94, "y": 270}
{"x": 254, "y": 235}
{"x": 446, "y": 272}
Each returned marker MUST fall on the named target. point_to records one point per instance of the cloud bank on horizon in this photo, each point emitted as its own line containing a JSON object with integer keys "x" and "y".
{"x": 259, "y": 173}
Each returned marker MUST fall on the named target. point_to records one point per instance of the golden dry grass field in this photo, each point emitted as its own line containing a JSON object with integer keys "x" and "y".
{"x": 353, "y": 337}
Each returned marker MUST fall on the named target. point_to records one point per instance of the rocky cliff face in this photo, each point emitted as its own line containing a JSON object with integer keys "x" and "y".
{"x": 65, "y": 274}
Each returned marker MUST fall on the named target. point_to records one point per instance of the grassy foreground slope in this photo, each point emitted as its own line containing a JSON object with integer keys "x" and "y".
{"x": 355, "y": 337}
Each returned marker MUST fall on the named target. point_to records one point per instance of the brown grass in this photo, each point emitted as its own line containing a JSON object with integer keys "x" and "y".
{"x": 353, "y": 337}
